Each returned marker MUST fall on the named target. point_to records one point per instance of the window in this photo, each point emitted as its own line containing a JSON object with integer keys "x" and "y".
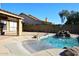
{"x": 13, "y": 26}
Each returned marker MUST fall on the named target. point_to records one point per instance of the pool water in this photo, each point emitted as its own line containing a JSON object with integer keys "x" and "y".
{"x": 61, "y": 42}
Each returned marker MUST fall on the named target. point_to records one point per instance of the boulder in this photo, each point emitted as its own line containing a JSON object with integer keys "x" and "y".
{"x": 62, "y": 34}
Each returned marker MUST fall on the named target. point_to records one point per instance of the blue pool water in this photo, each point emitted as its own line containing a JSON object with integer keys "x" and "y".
{"x": 61, "y": 42}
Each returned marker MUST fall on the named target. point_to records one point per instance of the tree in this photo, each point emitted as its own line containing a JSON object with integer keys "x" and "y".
{"x": 72, "y": 17}
{"x": 63, "y": 15}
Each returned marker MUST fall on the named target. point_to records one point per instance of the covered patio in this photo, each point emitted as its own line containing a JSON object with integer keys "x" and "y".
{"x": 12, "y": 23}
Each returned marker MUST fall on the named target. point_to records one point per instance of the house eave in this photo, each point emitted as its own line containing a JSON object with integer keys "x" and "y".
{"x": 10, "y": 14}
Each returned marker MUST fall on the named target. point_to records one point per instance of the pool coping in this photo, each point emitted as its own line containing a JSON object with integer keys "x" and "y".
{"x": 45, "y": 36}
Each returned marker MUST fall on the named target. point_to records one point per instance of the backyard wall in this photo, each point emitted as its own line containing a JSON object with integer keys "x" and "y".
{"x": 41, "y": 28}
{"x": 72, "y": 28}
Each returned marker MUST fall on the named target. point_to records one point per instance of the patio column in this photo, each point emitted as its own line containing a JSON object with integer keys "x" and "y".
{"x": 19, "y": 27}
{"x": 8, "y": 26}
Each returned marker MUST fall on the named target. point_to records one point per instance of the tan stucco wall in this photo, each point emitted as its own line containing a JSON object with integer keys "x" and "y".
{"x": 19, "y": 27}
{"x": 8, "y": 26}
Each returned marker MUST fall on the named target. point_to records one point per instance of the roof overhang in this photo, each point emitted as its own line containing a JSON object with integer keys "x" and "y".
{"x": 10, "y": 14}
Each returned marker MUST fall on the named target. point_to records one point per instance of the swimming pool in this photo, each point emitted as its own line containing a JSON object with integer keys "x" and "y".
{"x": 60, "y": 42}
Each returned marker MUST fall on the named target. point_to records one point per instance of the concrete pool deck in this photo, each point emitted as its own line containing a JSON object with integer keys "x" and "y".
{"x": 5, "y": 40}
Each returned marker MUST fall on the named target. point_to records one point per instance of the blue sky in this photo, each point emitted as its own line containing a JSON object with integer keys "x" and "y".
{"x": 41, "y": 10}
